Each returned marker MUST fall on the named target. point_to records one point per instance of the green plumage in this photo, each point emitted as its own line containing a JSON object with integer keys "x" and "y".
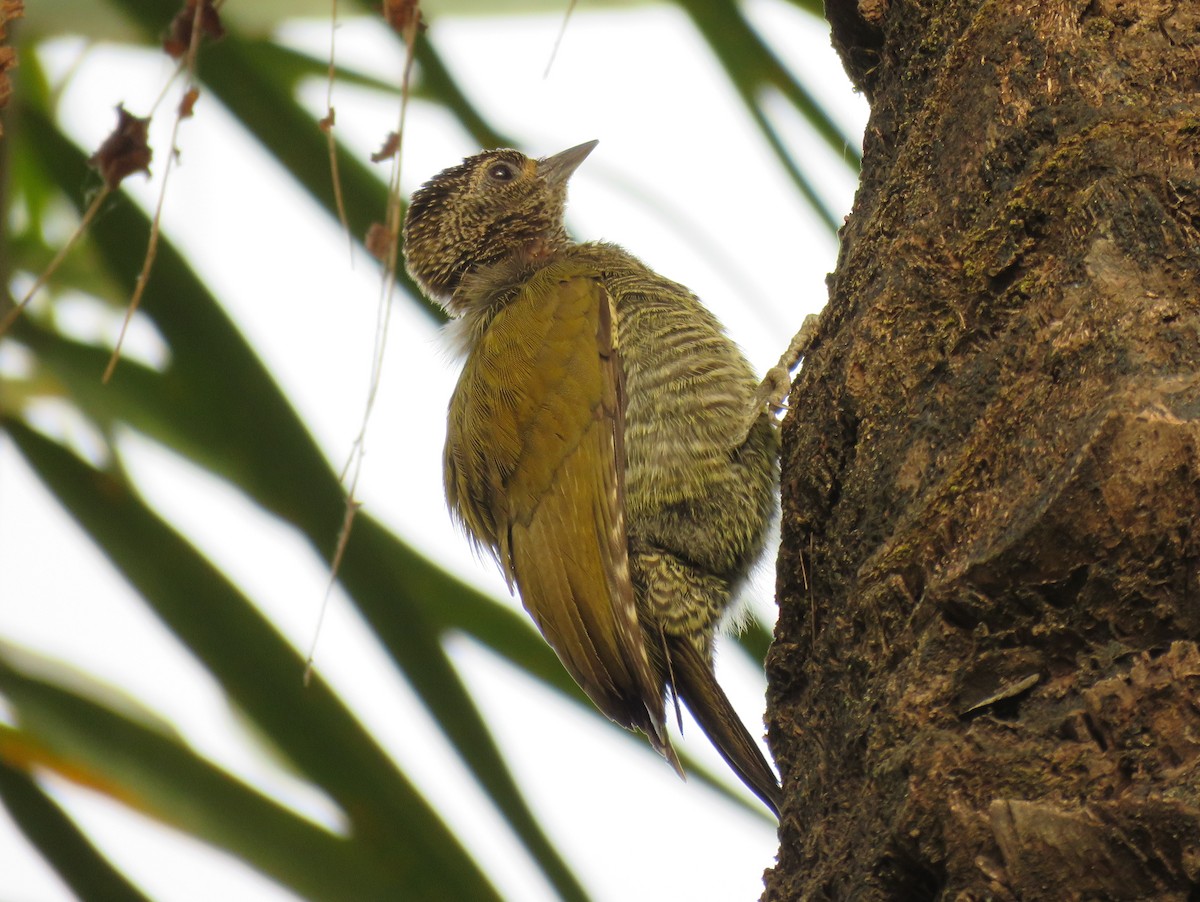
{"x": 602, "y": 443}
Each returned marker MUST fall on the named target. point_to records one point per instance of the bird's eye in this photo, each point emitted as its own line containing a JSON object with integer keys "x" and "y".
{"x": 501, "y": 172}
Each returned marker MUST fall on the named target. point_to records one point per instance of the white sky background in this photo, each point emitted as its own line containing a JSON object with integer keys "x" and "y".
{"x": 670, "y": 130}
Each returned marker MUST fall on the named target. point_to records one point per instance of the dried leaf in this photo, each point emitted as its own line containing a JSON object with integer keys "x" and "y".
{"x": 402, "y": 15}
{"x": 379, "y": 241}
{"x": 125, "y": 151}
{"x": 188, "y": 103}
{"x": 179, "y": 35}
{"x": 9, "y": 10}
{"x": 390, "y": 146}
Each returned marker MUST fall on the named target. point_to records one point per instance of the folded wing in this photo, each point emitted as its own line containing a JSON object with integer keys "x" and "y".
{"x": 535, "y": 471}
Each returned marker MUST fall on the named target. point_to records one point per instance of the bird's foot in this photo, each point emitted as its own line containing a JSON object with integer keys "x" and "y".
{"x": 772, "y": 392}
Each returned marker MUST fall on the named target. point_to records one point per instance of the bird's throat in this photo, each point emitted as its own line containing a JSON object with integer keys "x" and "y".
{"x": 489, "y": 286}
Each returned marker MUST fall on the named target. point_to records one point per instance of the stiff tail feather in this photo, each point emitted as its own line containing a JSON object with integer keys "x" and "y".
{"x": 696, "y": 685}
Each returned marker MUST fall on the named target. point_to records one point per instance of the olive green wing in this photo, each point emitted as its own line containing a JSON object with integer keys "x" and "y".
{"x": 535, "y": 470}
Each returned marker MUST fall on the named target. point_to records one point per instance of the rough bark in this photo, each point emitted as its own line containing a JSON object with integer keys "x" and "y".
{"x": 986, "y": 681}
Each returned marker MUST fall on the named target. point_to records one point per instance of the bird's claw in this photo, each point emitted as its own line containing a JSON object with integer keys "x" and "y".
{"x": 771, "y": 394}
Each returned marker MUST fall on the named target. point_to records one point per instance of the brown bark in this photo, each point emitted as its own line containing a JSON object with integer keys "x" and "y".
{"x": 986, "y": 680}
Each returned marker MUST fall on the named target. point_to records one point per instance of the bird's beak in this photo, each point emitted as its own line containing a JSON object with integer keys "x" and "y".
{"x": 558, "y": 168}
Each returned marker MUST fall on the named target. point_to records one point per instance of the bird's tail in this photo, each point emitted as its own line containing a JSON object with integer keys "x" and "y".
{"x": 697, "y": 686}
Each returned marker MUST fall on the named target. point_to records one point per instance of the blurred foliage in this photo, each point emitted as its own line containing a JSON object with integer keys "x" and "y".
{"x": 216, "y": 404}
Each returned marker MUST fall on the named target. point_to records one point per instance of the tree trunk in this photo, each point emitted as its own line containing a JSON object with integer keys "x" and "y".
{"x": 986, "y": 681}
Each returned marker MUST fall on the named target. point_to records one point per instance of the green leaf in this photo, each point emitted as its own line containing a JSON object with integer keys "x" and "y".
{"x": 259, "y": 671}
{"x": 88, "y": 743}
{"x": 88, "y": 873}
{"x": 751, "y": 66}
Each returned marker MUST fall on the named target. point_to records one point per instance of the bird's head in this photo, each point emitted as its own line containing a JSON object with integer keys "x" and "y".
{"x": 490, "y": 207}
